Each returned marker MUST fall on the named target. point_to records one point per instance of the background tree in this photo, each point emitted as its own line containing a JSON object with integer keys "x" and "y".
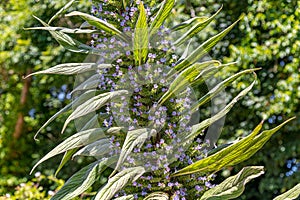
{"x": 27, "y": 103}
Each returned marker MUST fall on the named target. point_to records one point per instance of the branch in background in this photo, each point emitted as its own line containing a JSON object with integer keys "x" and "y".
{"x": 24, "y": 94}
{"x": 190, "y": 8}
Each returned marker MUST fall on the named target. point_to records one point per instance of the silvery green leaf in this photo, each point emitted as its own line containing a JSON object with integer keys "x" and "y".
{"x": 92, "y": 105}
{"x": 204, "y": 48}
{"x": 90, "y": 83}
{"x": 161, "y": 16}
{"x": 61, "y": 11}
{"x": 82, "y": 98}
{"x": 141, "y": 39}
{"x": 77, "y": 140}
{"x": 186, "y": 77}
{"x": 82, "y": 180}
{"x": 65, "y": 109}
{"x": 69, "y": 43}
{"x": 233, "y": 154}
{"x": 119, "y": 181}
{"x": 92, "y": 123}
{"x": 198, "y": 128}
{"x": 99, "y": 23}
{"x": 157, "y": 196}
{"x": 64, "y": 30}
{"x": 95, "y": 149}
{"x": 71, "y": 68}
{"x": 129, "y": 197}
{"x": 189, "y": 23}
{"x": 233, "y": 186}
{"x": 219, "y": 87}
{"x": 290, "y": 194}
{"x": 199, "y": 26}
{"x": 67, "y": 156}
{"x": 134, "y": 138}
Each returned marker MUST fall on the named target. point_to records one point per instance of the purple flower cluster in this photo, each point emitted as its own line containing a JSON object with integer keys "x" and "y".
{"x": 162, "y": 154}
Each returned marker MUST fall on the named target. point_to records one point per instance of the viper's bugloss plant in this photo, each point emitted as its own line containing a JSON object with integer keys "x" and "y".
{"x": 137, "y": 110}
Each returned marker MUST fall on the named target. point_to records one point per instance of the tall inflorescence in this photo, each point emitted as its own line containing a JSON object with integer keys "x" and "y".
{"x": 163, "y": 152}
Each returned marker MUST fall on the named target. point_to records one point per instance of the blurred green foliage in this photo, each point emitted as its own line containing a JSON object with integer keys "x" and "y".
{"x": 39, "y": 187}
{"x": 29, "y": 102}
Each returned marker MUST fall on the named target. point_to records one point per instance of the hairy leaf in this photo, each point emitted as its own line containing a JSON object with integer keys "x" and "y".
{"x": 82, "y": 180}
{"x": 77, "y": 140}
{"x": 204, "y": 48}
{"x": 92, "y": 123}
{"x": 161, "y": 16}
{"x": 71, "y": 68}
{"x": 96, "y": 149}
{"x": 233, "y": 186}
{"x": 186, "y": 77}
{"x": 119, "y": 181}
{"x": 141, "y": 39}
{"x": 135, "y": 138}
{"x": 65, "y": 109}
{"x": 157, "y": 196}
{"x": 68, "y": 42}
{"x": 195, "y": 29}
{"x": 189, "y": 22}
{"x": 90, "y": 83}
{"x": 232, "y": 155}
{"x": 290, "y": 194}
{"x": 67, "y": 156}
{"x": 64, "y": 30}
{"x": 129, "y": 197}
{"x": 100, "y": 24}
{"x": 82, "y": 98}
{"x": 92, "y": 105}
{"x": 219, "y": 87}
{"x": 196, "y": 129}
{"x": 61, "y": 11}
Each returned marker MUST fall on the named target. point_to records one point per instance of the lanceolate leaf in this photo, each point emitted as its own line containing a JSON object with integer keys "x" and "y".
{"x": 213, "y": 92}
{"x": 189, "y": 22}
{"x": 204, "y": 48}
{"x": 129, "y": 197}
{"x": 65, "y": 109}
{"x": 195, "y": 29}
{"x": 92, "y": 123}
{"x": 64, "y": 30}
{"x": 92, "y": 105}
{"x": 157, "y": 196}
{"x": 135, "y": 138}
{"x": 96, "y": 149}
{"x": 186, "y": 77}
{"x": 90, "y": 83}
{"x": 98, "y": 23}
{"x": 61, "y": 11}
{"x": 208, "y": 73}
{"x": 70, "y": 43}
{"x": 78, "y": 140}
{"x": 71, "y": 68}
{"x": 196, "y": 129}
{"x": 293, "y": 193}
{"x": 67, "y": 156}
{"x": 82, "y": 98}
{"x": 232, "y": 155}
{"x": 233, "y": 186}
{"x": 161, "y": 16}
{"x": 259, "y": 141}
{"x": 118, "y": 181}
{"x": 141, "y": 39}
{"x": 82, "y": 180}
